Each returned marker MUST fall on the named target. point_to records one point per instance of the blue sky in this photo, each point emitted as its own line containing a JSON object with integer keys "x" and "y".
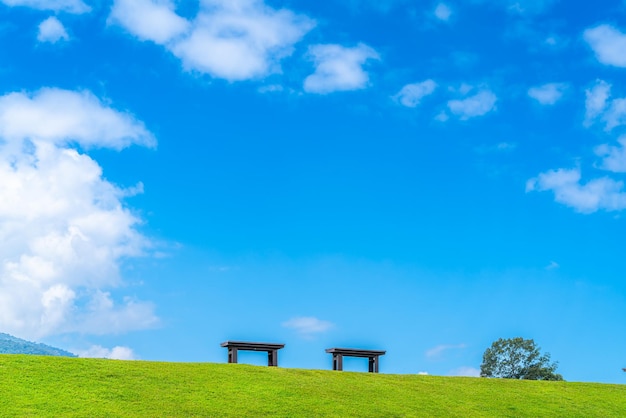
{"x": 419, "y": 177}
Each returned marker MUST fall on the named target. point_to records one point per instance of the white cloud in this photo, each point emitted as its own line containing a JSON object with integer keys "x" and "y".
{"x": 613, "y": 158}
{"x": 63, "y": 228}
{"x": 479, "y": 104}
{"x": 443, "y": 12}
{"x": 338, "y": 68}
{"x": 69, "y": 6}
{"x": 465, "y": 371}
{"x": 608, "y": 43}
{"x": 548, "y": 94}
{"x": 412, "y": 94}
{"x": 62, "y": 116}
{"x": 598, "y": 194}
{"x": 307, "y": 326}
{"x": 437, "y": 352}
{"x": 596, "y": 101}
{"x": 149, "y": 20}
{"x": 598, "y": 107}
{"x": 115, "y": 353}
{"x": 52, "y": 30}
{"x": 230, "y": 39}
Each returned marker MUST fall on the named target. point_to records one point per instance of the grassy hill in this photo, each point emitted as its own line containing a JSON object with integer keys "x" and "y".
{"x": 57, "y": 386}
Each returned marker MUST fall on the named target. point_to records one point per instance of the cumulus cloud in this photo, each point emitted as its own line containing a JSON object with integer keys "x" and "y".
{"x": 412, "y": 94}
{"x": 230, "y": 39}
{"x": 548, "y": 94}
{"x": 69, "y": 6}
{"x": 437, "y": 352}
{"x": 598, "y": 194}
{"x": 52, "y": 30}
{"x": 308, "y": 326}
{"x": 149, "y": 20}
{"x": 479, "y": 104}
{"x": 60, "y": 117}
{"x": 64, "y": 229}
{"x": 443, "y": 12}
{"x": 613, "y": 157}
{"x": 608, "y": 43}
{"x": 465, "y": 371}
{"x": 115, "y": 353}
{"x": 338, "y": 68}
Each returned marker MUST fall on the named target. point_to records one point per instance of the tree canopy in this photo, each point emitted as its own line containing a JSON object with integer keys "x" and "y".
{"x": 517, "y": 358}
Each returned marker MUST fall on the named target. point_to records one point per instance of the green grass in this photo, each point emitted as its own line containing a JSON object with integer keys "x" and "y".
{"x": 32, "y": 386}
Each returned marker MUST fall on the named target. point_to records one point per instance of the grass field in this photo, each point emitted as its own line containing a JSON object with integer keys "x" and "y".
{"x": 32, "y": 386}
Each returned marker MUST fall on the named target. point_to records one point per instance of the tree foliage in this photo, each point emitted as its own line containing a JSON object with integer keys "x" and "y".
{"x": 517, "y": 358}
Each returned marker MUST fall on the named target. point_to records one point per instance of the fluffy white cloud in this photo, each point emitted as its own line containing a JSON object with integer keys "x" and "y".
{"x": 52, "y": 30}
{"x": 548, "y": 94}
{"x": 608, "y": 43}
{"x": 115, "y": 353}
{"x": 412, "y": 94}
{"x": 62, "y": 116}
{"x": 613, "y": 158}
{"x": 598, "y": 194}
{"x": 70, "y": 6}
{"x": 338, "y": 68}
{"x": 64, "y": 228}
{"x": 479, "y": 104}
{"x": 149, "y": 20}
{"x": 307, "y": 326}
{"x": 443, "y": 12}
{"x": 229, "y": 39}
{"x": 465, "y": 371}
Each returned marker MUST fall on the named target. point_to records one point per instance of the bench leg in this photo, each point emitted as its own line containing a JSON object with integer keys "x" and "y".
{"x": 272, "y": 358}
{"x": 232, "y": 355}
{"x": 373, "y": 364}
{"x": 338, "y": 362}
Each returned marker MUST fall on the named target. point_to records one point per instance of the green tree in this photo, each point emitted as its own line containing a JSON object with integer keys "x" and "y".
{"x": 517, "y": 358}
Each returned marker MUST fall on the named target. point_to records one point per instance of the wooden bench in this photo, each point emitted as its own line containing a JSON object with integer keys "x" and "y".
{"x": 271, "y": 349}
{"x": 372, "y": 355}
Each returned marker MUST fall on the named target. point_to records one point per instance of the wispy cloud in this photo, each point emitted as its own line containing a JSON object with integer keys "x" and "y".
{"x": 412, "y": 94}
{"x": 548, "y": 94}
{"x": 613, "y": 157}
{"x": 608, "y": 43}
{"x": 601, "y": 108}
{"x": 552, "y": 266}
{"x": 308, "y": 326}
{"x": 69, "y": 6}
{"x": 443, "y": 12}
{"x": 338, "y": 68}
{"x": 438, "y": 351}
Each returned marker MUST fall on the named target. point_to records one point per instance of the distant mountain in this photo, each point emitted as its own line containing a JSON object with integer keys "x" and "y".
{"x": 13, "y": 345}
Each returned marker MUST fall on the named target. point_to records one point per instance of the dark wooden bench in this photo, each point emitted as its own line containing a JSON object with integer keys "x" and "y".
{"x": 339, "y": 353}
{"x": 271, "y": 349}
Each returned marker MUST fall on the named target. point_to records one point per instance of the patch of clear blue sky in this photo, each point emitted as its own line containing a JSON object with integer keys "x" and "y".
{"x": 405, "y": 232}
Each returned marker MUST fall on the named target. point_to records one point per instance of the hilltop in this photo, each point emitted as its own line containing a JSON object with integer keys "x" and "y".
{"x": 58, "y": 386}
{"x": 13, "y": 345}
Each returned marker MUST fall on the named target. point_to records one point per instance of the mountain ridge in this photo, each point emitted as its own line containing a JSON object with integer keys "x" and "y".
{"x": 13, "y": 345}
